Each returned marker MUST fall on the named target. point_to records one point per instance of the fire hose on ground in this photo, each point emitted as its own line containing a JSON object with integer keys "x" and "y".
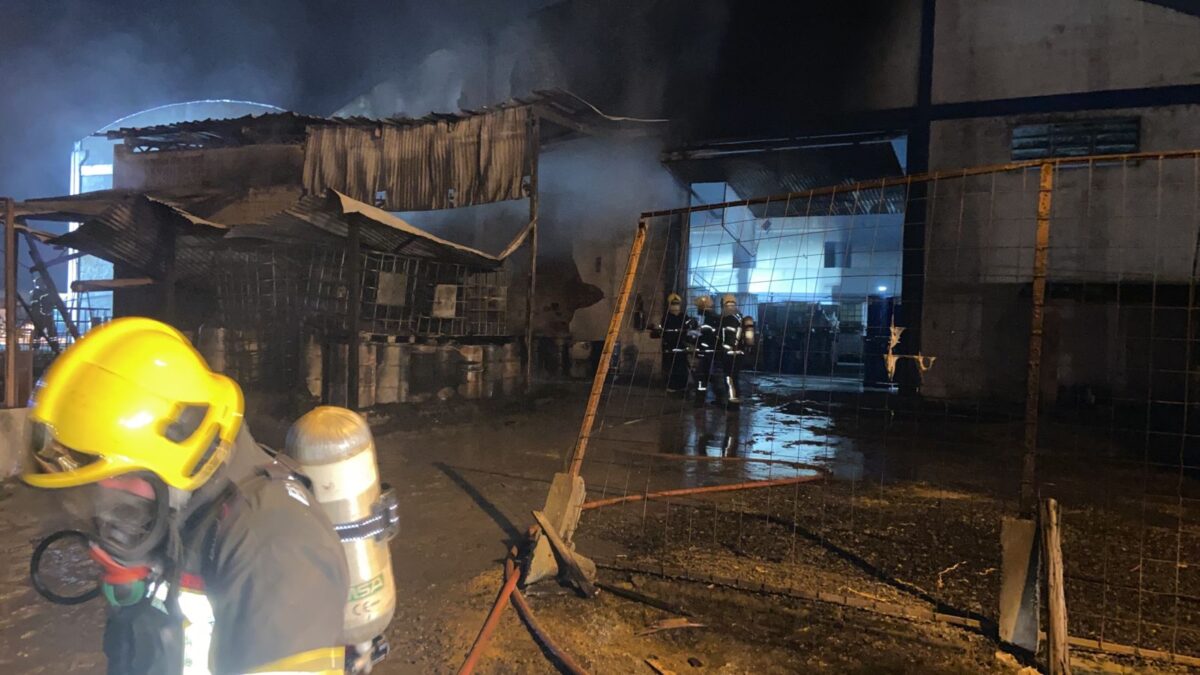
{"x": 510, "y": 592}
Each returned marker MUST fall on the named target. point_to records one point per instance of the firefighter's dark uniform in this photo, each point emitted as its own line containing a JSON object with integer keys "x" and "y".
{"x": 706, "y": 344}
{"x": 263, "y": 554}
{"x": 673, "y": 333}
{"x": 729, "y": 354}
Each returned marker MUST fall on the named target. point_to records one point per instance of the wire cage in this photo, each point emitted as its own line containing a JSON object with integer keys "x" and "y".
{"x": 272, "y": 298}
{"x": 407, "y": 296}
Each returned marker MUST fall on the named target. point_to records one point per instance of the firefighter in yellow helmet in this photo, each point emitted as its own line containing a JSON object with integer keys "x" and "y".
{"x": 673, "y": 332}
{"x": 735, "y": 340}
{"x": 216, "y": 558}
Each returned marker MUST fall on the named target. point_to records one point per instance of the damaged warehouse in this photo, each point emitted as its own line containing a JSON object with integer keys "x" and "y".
{"x": 250, "y": 225}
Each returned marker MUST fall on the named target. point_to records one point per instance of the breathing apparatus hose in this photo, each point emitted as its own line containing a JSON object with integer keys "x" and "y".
{"x": 35, "y": 564}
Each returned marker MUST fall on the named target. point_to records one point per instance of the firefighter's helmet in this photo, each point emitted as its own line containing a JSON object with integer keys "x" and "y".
{"x": 132, "y": 395}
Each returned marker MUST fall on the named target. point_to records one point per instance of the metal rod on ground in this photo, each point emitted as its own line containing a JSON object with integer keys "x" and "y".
{"x": 40, "y": 266}
{"x": 1060, "y": 655}
{"x": 886, "y": 608}
{"x": 534, "y": 142}
{"x": 1033, "y": 381}
{"x": 353, "y": 252}
{"x": 610, "y": 341}
{"x": 10, "y": 305}
{"x": 683, "y": 492}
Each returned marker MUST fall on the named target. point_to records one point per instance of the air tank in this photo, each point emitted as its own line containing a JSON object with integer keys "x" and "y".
{"x": 335, "y": 449}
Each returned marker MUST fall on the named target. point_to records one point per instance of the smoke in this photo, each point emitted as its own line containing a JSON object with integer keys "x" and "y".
{"x": 70, "y": 67}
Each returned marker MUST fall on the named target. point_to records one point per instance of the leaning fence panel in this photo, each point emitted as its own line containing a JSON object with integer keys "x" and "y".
{"x": 796, "y": 457}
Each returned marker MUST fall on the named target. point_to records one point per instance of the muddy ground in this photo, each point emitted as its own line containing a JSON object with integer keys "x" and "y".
{"x": 904, "y": 512}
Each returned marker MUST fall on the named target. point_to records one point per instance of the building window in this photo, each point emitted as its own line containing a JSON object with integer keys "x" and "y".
{"x": 1076, "y": 138}
{"x": 837, "y": 254}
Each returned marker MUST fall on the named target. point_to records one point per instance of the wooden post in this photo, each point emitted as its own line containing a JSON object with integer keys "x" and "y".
{"x": 10, "y": 305}
{"x": 1033, "y": 387}
{"x": 353, "y": 255}
{"x": 533, "y": 248}
{"x": 1060, "y": 657}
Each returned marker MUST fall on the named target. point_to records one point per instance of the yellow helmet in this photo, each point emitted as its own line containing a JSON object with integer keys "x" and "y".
{"x": 674, "y": 299}
{"x": 132, "y": 395}
{"x": 704, "y": 302}
{"x": 728, "y": 298}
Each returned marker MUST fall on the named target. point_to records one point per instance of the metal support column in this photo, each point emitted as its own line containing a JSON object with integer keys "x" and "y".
{"x": 534, "y": 130}
{"x": 169, "y": 276}
{"x": 40, "y": 266}
{"x": 353, "y": 258}
{"x": 10, "y": 305}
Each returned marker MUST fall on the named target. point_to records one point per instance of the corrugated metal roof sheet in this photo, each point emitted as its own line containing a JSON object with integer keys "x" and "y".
{"x": 134, "y": 230}
{"x": 449, "y": 163}
{"x": 316, "y": 219}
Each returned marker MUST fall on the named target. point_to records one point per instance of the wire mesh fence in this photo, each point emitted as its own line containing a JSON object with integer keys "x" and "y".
{"x": 1061, "y": 364}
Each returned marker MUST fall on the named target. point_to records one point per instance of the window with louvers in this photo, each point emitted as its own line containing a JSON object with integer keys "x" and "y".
{"x": 1076, "y": 138}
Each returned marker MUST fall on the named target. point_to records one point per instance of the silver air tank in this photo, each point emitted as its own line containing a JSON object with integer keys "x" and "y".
{"x": 335, "y": 449}
{"x": 748, "y": 331}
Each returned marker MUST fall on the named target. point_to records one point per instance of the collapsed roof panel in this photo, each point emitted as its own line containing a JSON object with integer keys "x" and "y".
{"x": 327, "y": 217}
{"x": 135, "y": 230}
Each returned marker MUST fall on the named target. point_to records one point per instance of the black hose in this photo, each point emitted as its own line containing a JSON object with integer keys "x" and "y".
{"x": 35, "y": 564}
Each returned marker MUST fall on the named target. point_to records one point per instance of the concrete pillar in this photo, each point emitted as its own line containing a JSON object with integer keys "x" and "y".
{"x": 387, "y": 372}
{"x": 366, "y": 374}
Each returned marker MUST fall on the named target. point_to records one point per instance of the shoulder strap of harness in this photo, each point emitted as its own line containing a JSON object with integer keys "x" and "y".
{"x": 284, "y": 468}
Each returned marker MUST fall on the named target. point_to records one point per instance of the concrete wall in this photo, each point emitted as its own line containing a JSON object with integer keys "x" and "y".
{"x": 1009, "y": 48}
{"x": 1126, "y": 231}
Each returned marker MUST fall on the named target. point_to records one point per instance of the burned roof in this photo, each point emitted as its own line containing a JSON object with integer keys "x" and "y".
{"x": 562, "y": 114}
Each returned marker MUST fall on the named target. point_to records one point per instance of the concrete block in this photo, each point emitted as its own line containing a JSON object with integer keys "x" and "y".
{"x": 562, "y": 510}
{"x": 14, "y": 441}
{"x": 1020, "y": 571}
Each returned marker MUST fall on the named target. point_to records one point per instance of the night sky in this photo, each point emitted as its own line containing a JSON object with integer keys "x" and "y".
{"x": 68, "y": 67}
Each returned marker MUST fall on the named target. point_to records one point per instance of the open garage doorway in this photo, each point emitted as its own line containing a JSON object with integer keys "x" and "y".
{"x": 820, "y": 278}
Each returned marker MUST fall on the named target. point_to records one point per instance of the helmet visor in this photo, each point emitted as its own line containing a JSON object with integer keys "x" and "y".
{"x": 50, "y": 456}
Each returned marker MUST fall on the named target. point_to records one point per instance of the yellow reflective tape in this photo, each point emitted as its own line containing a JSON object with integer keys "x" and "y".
{"x": 322, "y": 661}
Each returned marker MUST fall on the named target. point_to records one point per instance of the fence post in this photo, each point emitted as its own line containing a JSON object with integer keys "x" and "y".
{"x": 534, "y": 145}
{"x": 610, "y": 341}
{"x": 1037, "y": 320}
{"x": 354, "y": 308}
{"x": 1060, "y": 657}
